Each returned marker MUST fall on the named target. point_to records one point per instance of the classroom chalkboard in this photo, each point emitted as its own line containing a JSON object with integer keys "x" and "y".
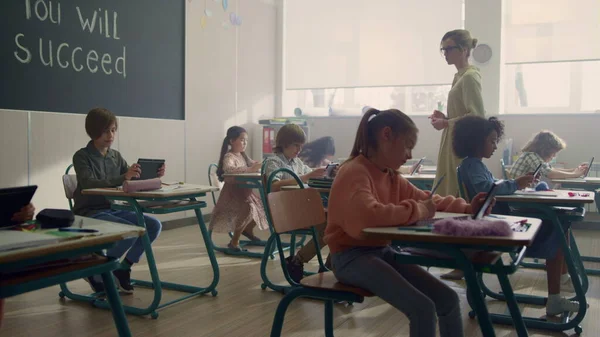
{"x": 73, "y": 55}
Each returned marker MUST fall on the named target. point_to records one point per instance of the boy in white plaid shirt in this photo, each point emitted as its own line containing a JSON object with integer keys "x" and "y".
{"x": 540, "y": 150}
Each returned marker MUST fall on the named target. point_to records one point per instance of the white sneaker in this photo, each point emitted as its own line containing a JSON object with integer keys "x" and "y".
{"x": 567, "y": 286}
{"x": 558, "y": 306}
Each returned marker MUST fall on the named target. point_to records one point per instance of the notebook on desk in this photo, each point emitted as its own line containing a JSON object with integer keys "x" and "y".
{"x": 533, "y": 192}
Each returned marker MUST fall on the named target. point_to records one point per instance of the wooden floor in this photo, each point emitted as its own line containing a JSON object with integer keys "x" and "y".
{"x": 243, "y": 309}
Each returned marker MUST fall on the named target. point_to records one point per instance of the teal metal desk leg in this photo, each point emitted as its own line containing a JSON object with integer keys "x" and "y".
{"x": 572, "y": 266}
{"x": 511, "y": 301}
{"x": 475, "y": 295}
{"x": 211, "y": 253}
{"x": 116, "y": 306}
{"x": 155, "y": 283}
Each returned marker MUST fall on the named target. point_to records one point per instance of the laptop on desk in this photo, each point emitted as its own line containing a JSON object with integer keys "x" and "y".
{"x": 587, "y": 172}
{"x": 11, "y": 202}
{"x": 327, "y": 178}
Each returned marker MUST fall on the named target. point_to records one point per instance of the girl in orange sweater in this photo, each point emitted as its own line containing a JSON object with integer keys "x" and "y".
{"x": 369, "y": 192}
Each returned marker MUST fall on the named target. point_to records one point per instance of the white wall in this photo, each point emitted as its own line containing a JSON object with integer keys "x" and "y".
{"x": 483, "y": 18}
{"x": 230, "y": 80}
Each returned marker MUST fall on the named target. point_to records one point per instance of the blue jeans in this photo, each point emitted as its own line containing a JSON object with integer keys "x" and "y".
{"x": 134, "y": 245}
{"x": 542, "y": 186}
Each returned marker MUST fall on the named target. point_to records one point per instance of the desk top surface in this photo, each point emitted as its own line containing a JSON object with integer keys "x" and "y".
{"x": 246, "y": 175}
{"x": 419, "y": 176}
{"x": 108, "y": 232}
{"x": 296, "y": 187}
{"x": 164, "y": 192}
{"x": 559, "y": 196}
{"x": 517, "y": 238}
{"x": 579, "y": 181}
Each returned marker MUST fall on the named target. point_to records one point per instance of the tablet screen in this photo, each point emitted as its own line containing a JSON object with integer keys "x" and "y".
{"x": 329, "y": 171}
{"x": 416, "y": 168}
{"x": 589, "y": 168}
{"x": 537, "y": 171}
{"x": 150, "y": 167}
{"x": 12, "y": 200}
{"x": 488, "y": 200}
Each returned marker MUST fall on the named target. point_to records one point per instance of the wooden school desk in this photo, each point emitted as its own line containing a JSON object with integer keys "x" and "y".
{"x": 42, "y": 266}
{"x": 322, "y": 190}
{"x": 591, "y": 184}
{"x": 488, "y": 261}
{"x": 251, "y": 181}
{"x": 421, "y": 181}
{"x": 550, "y": 206}
{"x": 169, "y": 199}
{"x": 428, "y": 169}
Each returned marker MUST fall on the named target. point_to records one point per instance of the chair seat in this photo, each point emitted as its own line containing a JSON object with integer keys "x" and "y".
{"x": 327, "y": 281}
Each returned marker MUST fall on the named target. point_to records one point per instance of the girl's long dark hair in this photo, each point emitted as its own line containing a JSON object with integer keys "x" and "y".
{"x": 233, "y": 133}
{"x": 314, "y": 152}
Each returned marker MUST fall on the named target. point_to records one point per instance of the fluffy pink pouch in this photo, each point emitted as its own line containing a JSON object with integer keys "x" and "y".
{"x": 472, "y": 227}
{"x": 130, "y": 186}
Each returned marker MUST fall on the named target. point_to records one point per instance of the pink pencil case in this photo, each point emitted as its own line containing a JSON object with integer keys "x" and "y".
{"x": 472, "y": 227}
{"x": 130, "y": 186}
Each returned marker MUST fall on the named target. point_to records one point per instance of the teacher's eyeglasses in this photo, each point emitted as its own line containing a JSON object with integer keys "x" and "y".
{"x": 445, "y": 50}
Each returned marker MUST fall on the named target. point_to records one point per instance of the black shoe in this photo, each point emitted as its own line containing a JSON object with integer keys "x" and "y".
{"x": 123, "y": 280}
{"x": 97, "y": 286}
{"x": 295, "y": 268}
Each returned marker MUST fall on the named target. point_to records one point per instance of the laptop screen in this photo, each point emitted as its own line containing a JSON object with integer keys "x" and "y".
{"x": 589, "y": 168}
{"x": 12, "y": 200}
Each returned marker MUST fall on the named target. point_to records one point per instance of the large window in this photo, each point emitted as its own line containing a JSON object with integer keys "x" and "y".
{"x": 415, "y": 100}
{"x": 552, "y": 56}
{"x": 341, "y": 55}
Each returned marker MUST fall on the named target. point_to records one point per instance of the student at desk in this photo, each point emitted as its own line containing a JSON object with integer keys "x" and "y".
{"x": 289, "y": 142}
{"x": 318, "y": 153}
{"x": 368, "y": 191}
{"x": 98, "y": 165}
{"x": 540, "y": 150}
{"x": 25, "y": 214}
{"x": 238, "y": 210}
{"x": 476, "y": 138}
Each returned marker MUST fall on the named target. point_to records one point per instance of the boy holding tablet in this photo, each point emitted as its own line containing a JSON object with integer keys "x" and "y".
{"x": 98, "y": 165}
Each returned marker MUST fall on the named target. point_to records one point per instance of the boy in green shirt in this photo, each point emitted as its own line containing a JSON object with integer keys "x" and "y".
{"x": 97, "y": 165}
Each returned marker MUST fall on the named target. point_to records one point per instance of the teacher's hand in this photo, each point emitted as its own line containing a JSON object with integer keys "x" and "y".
{"x": 437, "y": 114}
{"x": 439, "y": 123}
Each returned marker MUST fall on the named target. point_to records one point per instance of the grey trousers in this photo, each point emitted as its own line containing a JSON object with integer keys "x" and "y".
{"x": 409, "y": 288}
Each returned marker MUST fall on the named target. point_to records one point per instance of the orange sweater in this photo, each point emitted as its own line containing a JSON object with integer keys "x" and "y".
{"x": 364, "y": 196}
